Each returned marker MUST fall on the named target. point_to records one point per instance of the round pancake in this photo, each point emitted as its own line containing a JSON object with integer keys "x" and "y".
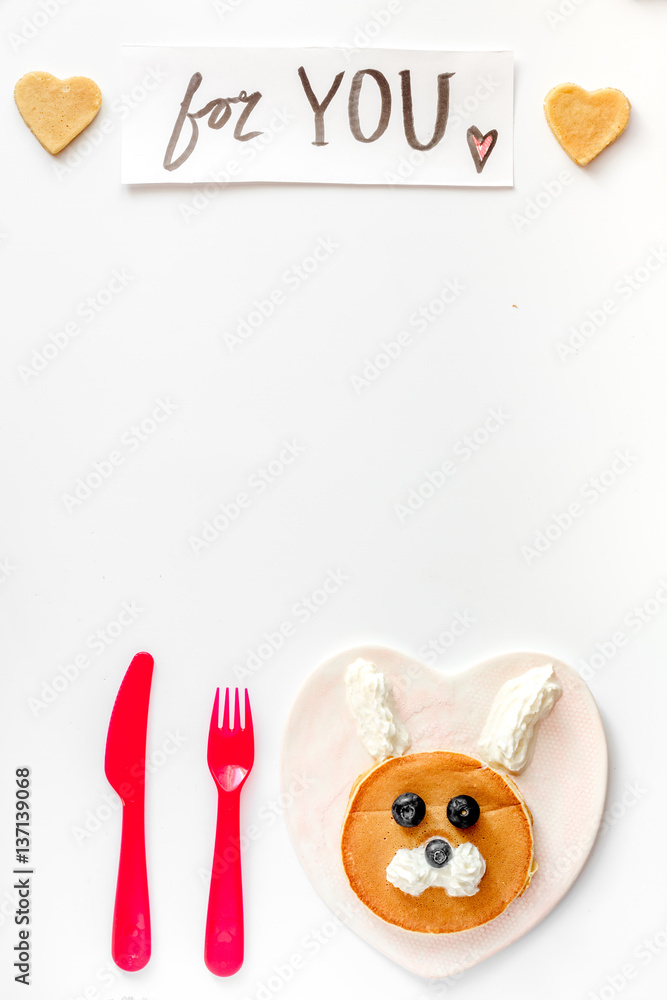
{"x": 370, "y": 838}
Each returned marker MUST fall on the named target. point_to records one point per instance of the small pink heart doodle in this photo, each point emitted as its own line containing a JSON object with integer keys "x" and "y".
{"x": 481, "y": 146}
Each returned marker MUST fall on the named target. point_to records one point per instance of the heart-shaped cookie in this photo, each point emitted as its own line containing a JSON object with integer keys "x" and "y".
{"x": 56, "y": 111}
{"x": 324, "y": 761}
{"x": 585, "y": 122}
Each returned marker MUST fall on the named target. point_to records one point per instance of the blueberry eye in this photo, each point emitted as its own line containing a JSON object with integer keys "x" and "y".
{"x": 462, "y": 811}
{"x": 408, "y": 809}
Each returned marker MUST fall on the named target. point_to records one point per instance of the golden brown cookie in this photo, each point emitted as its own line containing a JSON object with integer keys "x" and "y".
{"x": 56, "y": 111}
{"x": 585, "y": 122}
{"x": 502, "y": 834}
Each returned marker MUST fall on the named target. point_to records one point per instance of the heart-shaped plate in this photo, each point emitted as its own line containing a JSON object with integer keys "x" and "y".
{"x": 442, "y": 711}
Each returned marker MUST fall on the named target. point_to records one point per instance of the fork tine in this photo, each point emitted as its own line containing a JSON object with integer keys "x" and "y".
{"x": 225, "y": 716}
{"x": 213, "y": 728}
{"x": 248, "y": 717}
{"x": 237, "y": 712}
{"x": 216, "y": 709}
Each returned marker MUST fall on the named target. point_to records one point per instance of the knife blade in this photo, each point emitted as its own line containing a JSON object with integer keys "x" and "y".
{"x": 125, "y": 768}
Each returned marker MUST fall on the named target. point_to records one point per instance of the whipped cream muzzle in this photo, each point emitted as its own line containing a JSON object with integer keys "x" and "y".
{"x": 411, "y": 872}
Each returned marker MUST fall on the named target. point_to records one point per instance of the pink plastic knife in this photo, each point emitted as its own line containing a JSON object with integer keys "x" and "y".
{"x": 125, "y": 768}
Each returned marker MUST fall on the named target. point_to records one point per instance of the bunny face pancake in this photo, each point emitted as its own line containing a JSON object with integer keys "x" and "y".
{"x": 397, "y": 870}
{"x": 439, "y": 842}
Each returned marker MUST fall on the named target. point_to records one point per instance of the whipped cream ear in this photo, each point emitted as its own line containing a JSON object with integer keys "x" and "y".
{"x": 508, "y": 738}
{"x": 370, "y": 702}
{"x": 410, "y": 872}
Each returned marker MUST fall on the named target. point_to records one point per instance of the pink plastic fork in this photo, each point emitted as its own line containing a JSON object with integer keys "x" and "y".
{"x": 231, "y": 752}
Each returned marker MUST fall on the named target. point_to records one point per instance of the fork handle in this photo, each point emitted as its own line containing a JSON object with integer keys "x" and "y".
{"x": 223, "y": 946}
{"x": 131, "y": 935}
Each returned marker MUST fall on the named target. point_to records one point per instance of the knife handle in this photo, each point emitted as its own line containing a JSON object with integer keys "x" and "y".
{"x": 223, "y": 946}
{"x": 131, "y": 935}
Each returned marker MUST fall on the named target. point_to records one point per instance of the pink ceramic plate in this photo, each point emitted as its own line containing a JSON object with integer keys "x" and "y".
{"x": 444, "y": 712}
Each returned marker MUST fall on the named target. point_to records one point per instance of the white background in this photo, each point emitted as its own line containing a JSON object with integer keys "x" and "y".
{"x": 334, "y": 507}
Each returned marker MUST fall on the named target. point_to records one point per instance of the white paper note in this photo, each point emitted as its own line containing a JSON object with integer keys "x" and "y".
{"x": 317, "y": 115}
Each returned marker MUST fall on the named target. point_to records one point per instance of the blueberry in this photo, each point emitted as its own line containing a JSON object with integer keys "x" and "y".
{"x": 408, "y": 809}
{"x": 438, "y": 853}
{"x": 462, "y": 811}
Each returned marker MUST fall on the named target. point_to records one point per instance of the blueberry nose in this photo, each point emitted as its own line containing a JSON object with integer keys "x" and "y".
{"x": 438, "y": 853}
